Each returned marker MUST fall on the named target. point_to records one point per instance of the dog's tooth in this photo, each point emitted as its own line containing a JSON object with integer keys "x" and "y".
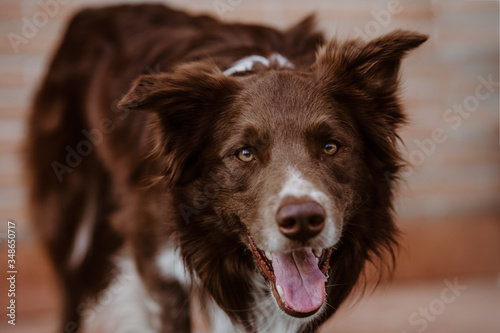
{"x": 317, "y": 252}
{"x": 269, "y": 255}
{"x": 280, "y": 292}
{"x": 317, "y": 261}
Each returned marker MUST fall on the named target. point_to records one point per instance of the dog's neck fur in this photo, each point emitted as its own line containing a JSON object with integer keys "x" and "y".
{"x": 265, "y": 315}
{"x": 128, "y": 288}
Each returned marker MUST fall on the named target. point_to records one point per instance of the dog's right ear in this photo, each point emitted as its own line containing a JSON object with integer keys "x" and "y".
{"x": 187, "y": 103}
{"x": 188, "y": 87}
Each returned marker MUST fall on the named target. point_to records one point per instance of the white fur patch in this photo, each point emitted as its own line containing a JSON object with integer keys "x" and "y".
{"x": 247, "y": 63}
{"x": 171, "y": 265}
{"x": 298, "y": 187}
{"x": 219, "y": 321}
{"x": 83, "y": 235}
{"x": 269, "y": 317}
{"x": 124, "y": 307}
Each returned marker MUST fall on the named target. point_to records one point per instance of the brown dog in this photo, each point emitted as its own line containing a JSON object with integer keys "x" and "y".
{"x": 178, "y": 159}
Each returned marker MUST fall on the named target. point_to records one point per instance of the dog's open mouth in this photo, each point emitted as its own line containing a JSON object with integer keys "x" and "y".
{"x": 297, "y": 278}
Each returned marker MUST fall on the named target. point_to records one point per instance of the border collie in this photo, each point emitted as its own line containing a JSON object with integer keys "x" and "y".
{"x": 184, "y": 168}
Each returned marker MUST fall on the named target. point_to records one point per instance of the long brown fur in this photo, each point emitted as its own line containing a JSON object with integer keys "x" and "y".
{"x": 157, "y": 75}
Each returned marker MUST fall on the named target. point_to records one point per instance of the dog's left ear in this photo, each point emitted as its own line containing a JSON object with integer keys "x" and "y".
{"x": 187, "y": 103}
{"x": 373, "y": 65}
{"x": 365, "y": 77}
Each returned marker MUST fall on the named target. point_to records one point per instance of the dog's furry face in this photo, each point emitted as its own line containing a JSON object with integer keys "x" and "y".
{"x": 249, "y": 145}
{"x": 285, "y": 122}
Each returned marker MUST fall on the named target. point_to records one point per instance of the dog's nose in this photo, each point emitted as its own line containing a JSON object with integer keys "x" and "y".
{"x": 301, "y": 221}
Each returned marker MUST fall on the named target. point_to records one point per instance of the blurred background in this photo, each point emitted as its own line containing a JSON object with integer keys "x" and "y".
{"x": 448, "y": 274}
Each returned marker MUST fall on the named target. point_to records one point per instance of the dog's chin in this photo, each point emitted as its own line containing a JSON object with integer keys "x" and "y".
{"x": 303, "y": 275}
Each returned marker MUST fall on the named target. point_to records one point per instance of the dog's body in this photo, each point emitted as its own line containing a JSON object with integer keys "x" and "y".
{"x": 254, "y": 188}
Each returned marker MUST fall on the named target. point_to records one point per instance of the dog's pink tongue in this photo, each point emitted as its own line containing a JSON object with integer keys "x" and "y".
{"x": 301, "y": 279}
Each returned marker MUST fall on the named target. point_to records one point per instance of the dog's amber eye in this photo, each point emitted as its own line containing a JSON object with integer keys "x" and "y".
{"x": 245, "y": 155}
{"x": 330, "y": 148}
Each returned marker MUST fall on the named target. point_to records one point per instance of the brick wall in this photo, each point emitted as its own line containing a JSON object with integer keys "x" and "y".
{"x": 459, "y": 175}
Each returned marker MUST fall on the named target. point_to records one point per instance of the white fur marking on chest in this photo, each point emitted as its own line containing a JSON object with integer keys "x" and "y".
{"x": 219, "y": 321}
{"x": 171, "y": 265}
{"x": 124, "y": 306}
{"x": 269, "y": 318}
{"x": 265, "y": 314}
{"x": 247, "y": 63}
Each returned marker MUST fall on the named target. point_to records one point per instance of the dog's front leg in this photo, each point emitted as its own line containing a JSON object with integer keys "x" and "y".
{"x": 174, "y": 304}
{"x": 166, "y": 280}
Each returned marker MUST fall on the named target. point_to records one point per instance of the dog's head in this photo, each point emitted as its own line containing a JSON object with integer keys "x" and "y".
{"x": 297, "y": 165}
